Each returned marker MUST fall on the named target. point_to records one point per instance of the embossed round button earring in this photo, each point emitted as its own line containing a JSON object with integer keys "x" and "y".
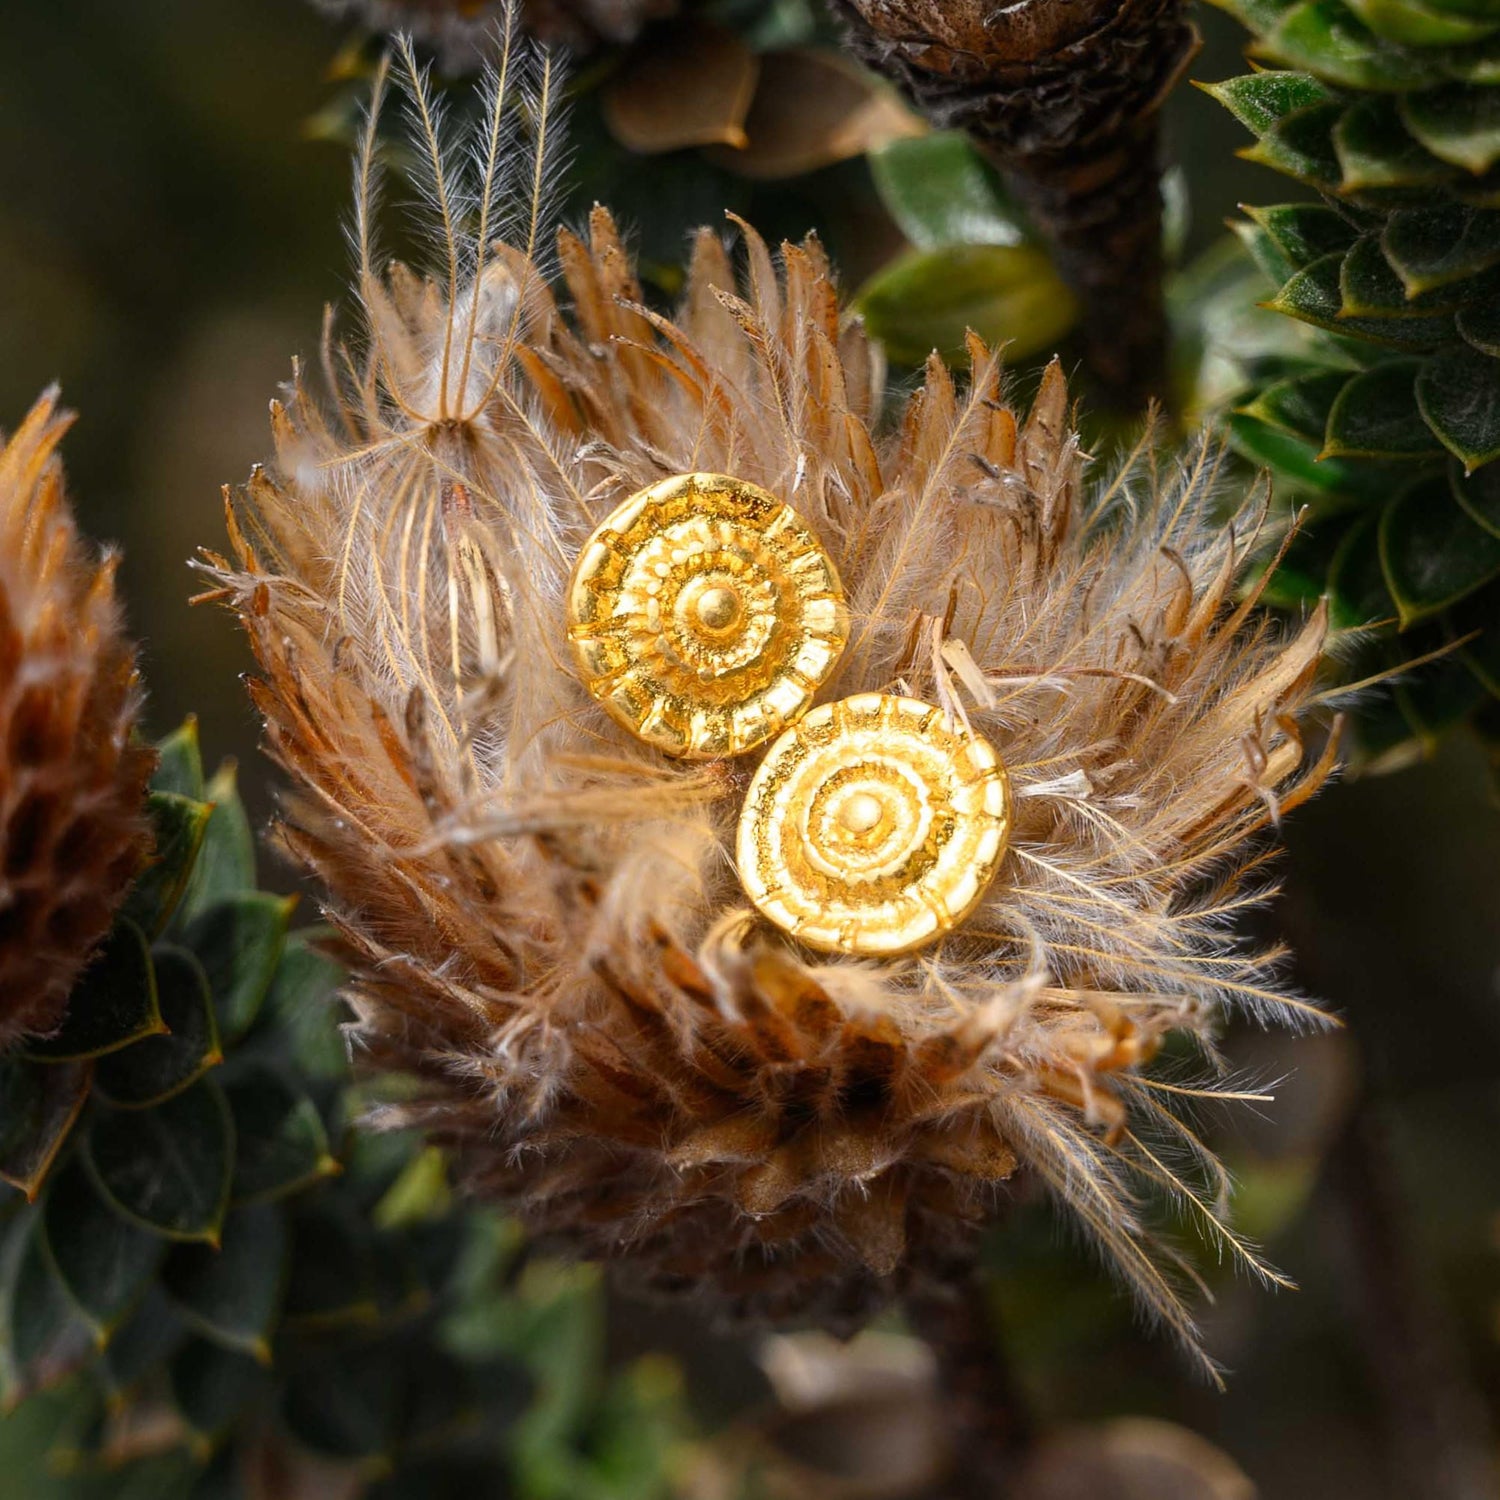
{"x": 704, "y": 615}
{"x": 873, "y": 826}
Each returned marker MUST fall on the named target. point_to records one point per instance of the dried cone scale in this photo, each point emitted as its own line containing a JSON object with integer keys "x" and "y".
{"x": 1064, "y": 95}
{"x": 541, "y": 910}
{"x": 72, "y": 783}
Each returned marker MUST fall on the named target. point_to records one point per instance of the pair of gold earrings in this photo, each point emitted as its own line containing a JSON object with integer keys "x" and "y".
{"x": 705, "y": 616}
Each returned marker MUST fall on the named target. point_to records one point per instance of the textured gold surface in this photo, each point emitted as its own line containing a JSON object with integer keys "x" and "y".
{"x": 704, "y": 615}
{"x": 872, "y": 826}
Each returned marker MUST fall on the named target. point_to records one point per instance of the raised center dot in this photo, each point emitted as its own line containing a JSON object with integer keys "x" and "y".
{"x": 861, "y": 812}
{"x": 718, "y": 608}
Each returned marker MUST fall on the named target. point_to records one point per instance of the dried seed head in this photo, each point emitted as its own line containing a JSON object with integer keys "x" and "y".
{"x": 540, "y": 909}
{"x": 72, "y": 784}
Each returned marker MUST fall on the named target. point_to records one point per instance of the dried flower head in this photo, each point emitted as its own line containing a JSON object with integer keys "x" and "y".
{"x": 542, "y": 911}
{"x": 72, "y": 783}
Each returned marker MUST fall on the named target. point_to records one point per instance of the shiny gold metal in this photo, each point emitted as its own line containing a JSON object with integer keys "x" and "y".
{"x": 873, "y": 825}
{"x": 704, "y": 615}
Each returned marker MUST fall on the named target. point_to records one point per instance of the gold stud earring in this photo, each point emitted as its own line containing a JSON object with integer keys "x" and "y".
{"x": 873, "y": 826}
{"x": 704, "y": 615}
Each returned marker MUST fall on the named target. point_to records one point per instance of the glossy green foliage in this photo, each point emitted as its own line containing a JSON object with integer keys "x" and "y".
{"x": 1386, "y": 425}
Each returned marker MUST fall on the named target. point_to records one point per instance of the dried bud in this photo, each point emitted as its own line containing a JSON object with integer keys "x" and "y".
{"x": 71, "y": 782}
{"x": 1064, "y": 95}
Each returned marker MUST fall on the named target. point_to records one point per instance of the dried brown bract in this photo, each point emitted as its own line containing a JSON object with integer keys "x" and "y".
{"x": 72, "y": 783}
{"x": 541, "y": 912}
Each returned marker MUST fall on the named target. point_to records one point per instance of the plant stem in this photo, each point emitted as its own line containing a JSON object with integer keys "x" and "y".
{"x": 991, "y": 1426}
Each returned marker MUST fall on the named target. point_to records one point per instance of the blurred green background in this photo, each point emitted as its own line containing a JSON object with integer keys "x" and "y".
{"x": 169, "y": 234}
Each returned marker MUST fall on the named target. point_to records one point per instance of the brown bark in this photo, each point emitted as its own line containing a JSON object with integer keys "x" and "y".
{"x": 1063, "y": 95}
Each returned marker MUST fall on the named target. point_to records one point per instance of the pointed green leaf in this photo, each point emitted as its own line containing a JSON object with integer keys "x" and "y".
{"x": 178, "y": 824}
{"x": 1301, "y": 577}
{"x": 929, "y": 299}
{"x": 303, "y": 1000}
{"x": 1479, "y": 616}
{"x": 1431, "y": 247}
{"x": 1432, "y": 552}
{"x": 1301, "y": 146}
{"x": 142, "y": 1342}
{"x": 212, "y": 1386}
{"x": 1358, "y": 596}
{"x": 1439, "y": 698}
{"x": 1260, "y": 100}
{"x": 941, "y": 191}
{"x": 38, "y": 1104}
{"x": 1314, "y": 295}
{"x": 179, "y": 763}
{"x": 1322, "y": 37}
{"x": 1299, "y": 404}
{"x": 1255, "y": 15}
{"x": 1420, "y": 25}
{"x": 344, "y": 1405}
{"x": 226, "y": 862}
{"x": 1479, "y": 495}
{"x": 112, "y": 1006}
{"x": 239, "y": 941}
{"x": 1304, "y": 232}
{"x": 332, "y": 1278}
{"x": 42, "y": 1336}
{"x": 1459, "y": 393}
{"x": 1376, "y": 415}
{"x": 167, "y": 1167}
{"x": 1375, "y": 150}
{"x": 1459, "y": 123}
{"x": 1369, "y": 288}
{"x": 1290, "y": 457}
{"x": 160, "y": 1066}
{"x": 103, "y": 1260}
{"x": 231, "y": 1294}
{"x": 1480, "y": 326}
{"x": 281, "y": 1144}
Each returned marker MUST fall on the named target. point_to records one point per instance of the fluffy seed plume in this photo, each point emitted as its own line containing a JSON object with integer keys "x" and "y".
{"x": 71, "y": 781}
{"x": 542, "y": 913}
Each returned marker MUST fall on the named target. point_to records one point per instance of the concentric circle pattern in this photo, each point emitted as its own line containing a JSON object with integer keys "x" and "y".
{"x": 704, "y": 615}
{"x": 873, "y": 825}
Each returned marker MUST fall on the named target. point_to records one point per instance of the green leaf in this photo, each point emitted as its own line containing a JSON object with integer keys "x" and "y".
{"x": 1375, "y": 150}
{"x": 38, "y": 1104}
{"x": 142, "y": 1342}
{"x": 179, "y": 764}
{"x": 112, "y": 1006}
{"x": 42, "y": 1336}
{"x": 1432, "y": 551}
{"x": 178, "y": 824}
{"x": 929, "y": 299}
{"x": 1431, "y": 247}
{"x": 1358, "y": 596}
{"x": 1301, "y": 577}
{"x": 1369, "y": 288}
{"x": 1459, "y": 123}
{"x": 1376, "y": 415}
{"x": 1439, "y": 698}
{"x": 167, "y": 1167}
{"x": 1301, "y": 146}
{"x": 332, "y": 1280}
{"x": 1479, "y": 495}
{"x": 1299, "y": 404}
{"x": 941, "y": 191}
{"x": 281, "y": 1144}
{"x": 1419, "y": 25}
{"x": 160, "y": 1066}
{"x": 1459, "y": 393}
{"x": 1260, "y": 100}
{"x": 103, "y": 1261}
{"x": 226, "y": 862}
{"x": 1479, "y": 615}
{"x": 1480, "y": 326}
{"x": 212, "y": 1386}
{"x": 1255, "y": 15}
{"x": 239, "y": 941}
{"x": 232, "y": 1293}
{"x": 1304, "y": 232}
{"x": 1315, "y": 296}
{"x": 302, "y": 999}
{"x": 344, "y": 1404}
{"x": 1322, "y": 37}
{"x": 1290, "y": 457}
